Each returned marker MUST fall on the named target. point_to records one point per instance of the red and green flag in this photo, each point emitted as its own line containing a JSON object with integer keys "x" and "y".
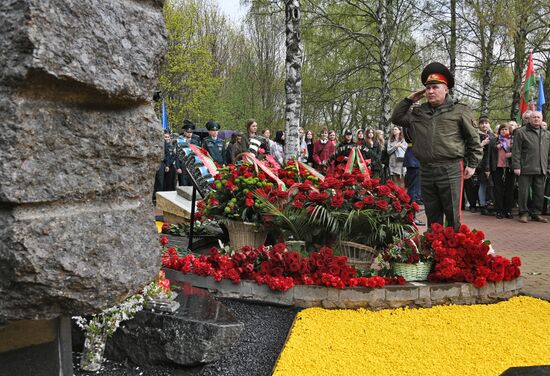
{"x": 529, "y": 84}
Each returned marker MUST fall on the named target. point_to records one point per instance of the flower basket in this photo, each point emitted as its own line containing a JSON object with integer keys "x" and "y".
{"x": 359, "y": 255}
{"x": 412, "y": 272}
{"x": 245, "y": 234}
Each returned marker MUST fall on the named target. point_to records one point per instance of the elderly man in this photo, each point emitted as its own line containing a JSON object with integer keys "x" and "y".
{"x": 531, "y": 162}
{"x": 444, "y": 136}
{"x": 525, "y": 118}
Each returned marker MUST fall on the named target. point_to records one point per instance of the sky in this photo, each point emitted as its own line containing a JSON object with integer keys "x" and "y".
{"x": 233, "y": 9}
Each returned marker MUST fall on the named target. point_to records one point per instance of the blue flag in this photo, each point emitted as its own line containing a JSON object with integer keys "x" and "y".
{"x": 164, "y": 116}
{"x": 541, "y": 100}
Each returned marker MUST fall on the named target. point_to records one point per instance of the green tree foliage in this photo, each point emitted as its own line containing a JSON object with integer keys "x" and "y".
{"x": 189, "y": 79}
{"x": 214, "y": 70}
{"x": 359, "y": 57}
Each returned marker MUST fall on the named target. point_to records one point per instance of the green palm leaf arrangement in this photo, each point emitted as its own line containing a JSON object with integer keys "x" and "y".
{"x": 371, "y": 227}
{"x": 296, "y": 223}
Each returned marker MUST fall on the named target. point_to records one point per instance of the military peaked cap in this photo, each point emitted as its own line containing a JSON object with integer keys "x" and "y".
{"x": 188, "y": 125}
{"x": 437, "y": 73}
{"x": 212, "y": 125}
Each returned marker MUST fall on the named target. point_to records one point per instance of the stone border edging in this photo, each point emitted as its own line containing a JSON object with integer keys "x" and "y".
{"x": 412, "y": 294}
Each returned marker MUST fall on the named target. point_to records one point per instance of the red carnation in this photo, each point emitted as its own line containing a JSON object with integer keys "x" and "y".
{"x": 479, "y": 282}
{"x": 396, "y": 206}
{"x": 382, "y": 204}
{"x": 358, "y": 205}
{"x": 516, "y": 261}
{"x": 348, "y": 193}
{"x": 337, "y": 201}
{"x": 249, "y": 202}
{"x": 436, "y": 227}
{"x": 369, "y": 200}
{"x": 384, "y": 190}
{"x": 367, "y": 184}
{"x": 163, "y": 240}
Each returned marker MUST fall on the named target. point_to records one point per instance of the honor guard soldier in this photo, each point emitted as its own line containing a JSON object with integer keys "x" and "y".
{"x": 212, "y": 144}
{"x": 169, "y": 162}
{"x": 186, "y": 138}
{"x": 445, "y": 138}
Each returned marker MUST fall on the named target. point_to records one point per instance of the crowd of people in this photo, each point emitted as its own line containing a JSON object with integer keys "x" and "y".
{"x": 512, "y": 171}
{"x": 386, "y": 159}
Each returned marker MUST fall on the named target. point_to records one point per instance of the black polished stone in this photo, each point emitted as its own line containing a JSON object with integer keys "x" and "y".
{"x": 49, "y": 355}
{"x": 199, "y": 332}
{"x": 528, "y": 371}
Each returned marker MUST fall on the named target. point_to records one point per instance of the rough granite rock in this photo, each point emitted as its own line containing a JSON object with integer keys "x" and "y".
{"x": 79, "y": 144}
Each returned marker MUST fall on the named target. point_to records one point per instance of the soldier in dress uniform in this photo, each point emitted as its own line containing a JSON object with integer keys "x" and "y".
{"x": 186, "y": 134}
{"x": 444, "y": 137}
{"x": 185, "y": 138}
{"x": 169, "y": 163}
{"x": 212, "y": 144}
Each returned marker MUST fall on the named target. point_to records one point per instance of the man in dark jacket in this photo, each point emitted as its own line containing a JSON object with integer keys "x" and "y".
{"x": 343, "y": 149}
{"x": 444, "y": 135}
{"x": 531, "y": 162}
{"x": 169, "y": 161}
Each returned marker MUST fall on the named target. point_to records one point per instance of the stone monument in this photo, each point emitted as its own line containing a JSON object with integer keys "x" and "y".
{"x": 79, "y": 143}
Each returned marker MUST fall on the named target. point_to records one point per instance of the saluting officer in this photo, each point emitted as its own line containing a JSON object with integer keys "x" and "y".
{"x": 212, "y": 144}
{"x": 444, "y": 137}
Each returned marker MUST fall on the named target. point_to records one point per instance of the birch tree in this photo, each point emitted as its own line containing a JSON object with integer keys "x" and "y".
{"x": 293, "y": 80}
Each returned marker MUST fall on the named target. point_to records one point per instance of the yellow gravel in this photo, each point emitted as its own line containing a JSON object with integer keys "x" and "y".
{"x": 444, "y": 340}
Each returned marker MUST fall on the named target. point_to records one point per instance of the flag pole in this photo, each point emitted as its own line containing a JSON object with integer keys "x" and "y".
{"x": 164, "y": 116}
{"x": 541, "y": 100}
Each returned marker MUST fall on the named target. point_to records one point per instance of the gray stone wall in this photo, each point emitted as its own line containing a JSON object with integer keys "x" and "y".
{"x": 412, "y": 294}
{"x": 79, "y": 145}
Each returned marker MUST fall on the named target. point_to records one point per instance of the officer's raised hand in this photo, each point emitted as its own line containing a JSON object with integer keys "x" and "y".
{"x": 416, "y": 96}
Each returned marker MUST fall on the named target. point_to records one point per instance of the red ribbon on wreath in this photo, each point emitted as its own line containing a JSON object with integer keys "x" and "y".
{"x": 356, "y": 158}
{"x": 206, "y": 160}
{"x": 249, "y": 157}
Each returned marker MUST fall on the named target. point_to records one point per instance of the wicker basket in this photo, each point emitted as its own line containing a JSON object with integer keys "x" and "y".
{"x": 359, "y": 255}
{"x": 412, "y": 272}
{"x": 245, "y": 234}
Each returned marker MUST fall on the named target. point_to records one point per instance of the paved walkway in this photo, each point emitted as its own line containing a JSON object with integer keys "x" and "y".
{"x": 530, "y": 241}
